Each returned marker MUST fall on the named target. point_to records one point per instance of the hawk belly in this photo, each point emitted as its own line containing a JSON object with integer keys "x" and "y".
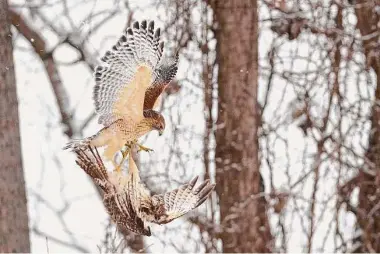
{"x": 118, "y": 134}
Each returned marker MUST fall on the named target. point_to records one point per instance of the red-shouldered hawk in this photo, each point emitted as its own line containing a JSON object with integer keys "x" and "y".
{"x": 128, "y": 85}
{"x": 128, "y": 200}
{"x": 115, "y": 201}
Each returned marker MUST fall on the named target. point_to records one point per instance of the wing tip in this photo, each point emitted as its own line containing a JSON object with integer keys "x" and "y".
{"x": 144, "y": 24}
{"x": 136, "y": 25}
{"x": 157, "y": 33}
{"x": 205, "y": 193}
{"x": 201, "y": 187}
{"x": 151, "y": 26}
{"x": 193, "y": 181}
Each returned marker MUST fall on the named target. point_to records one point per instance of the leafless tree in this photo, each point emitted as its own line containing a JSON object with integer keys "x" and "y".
{"x": 346, "y": 75}
{"x": 286, "y": 90}
{"x": 46, "y": 56}
{"x": 243, "y": 211}
{"x": 14, "y": 230}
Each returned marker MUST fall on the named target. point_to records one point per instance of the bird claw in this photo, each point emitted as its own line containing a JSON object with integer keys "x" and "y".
{"x": 117, "y": 166}
{"x": 124, "y": 155}
{"x": 129, "y": 146}
{"x": 143, "y": 148}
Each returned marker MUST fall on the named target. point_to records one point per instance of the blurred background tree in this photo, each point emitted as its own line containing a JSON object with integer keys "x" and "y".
{"x": 275, "y": 101}
{"x": 236, "y": 153}
{"x": 14, "y": 231}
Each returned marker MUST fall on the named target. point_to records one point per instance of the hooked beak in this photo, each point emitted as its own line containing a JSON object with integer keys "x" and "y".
{"x": 160, "y": 132}
{"x": 147, "y": 231}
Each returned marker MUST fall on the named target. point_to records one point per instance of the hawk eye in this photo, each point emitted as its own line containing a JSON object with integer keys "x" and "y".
{"x": 144, "y": 210}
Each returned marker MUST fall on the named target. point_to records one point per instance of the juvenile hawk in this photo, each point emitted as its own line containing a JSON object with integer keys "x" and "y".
{"x": 128, "y": 83}
{"x": 130, "y": 203}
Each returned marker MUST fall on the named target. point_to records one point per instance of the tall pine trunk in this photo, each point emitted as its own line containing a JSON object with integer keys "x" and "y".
{"x": 14, "y": 230}
{"x": 242, "y": 211}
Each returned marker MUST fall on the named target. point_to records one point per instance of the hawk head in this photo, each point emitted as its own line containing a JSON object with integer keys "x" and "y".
{"x": 157, "y": 121}
{"x": 166, "y": 70}
{"x": 154, "y": 211}
{"x": 161, "y": 215}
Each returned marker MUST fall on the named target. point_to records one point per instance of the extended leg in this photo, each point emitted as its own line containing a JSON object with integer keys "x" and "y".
{"x": 124, "y": 156}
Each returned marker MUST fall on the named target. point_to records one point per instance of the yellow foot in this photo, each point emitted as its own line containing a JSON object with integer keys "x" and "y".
{"x": 130, "y": 144}
{"x": 118, "y": 168}
{"x": 115, "y": 166}
{"x": 143, "y": 148}
{"x": 124, "y": 155}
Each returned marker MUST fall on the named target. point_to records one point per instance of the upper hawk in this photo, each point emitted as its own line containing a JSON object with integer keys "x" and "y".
{"x": 129, "y": 82}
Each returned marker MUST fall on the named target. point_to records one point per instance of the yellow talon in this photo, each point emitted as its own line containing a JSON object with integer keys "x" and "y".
{"x": 143, "y": 148}
{"x": 124, "y": 155}
{"x": 140, "y": 147}
{"x": 116, "y": 166}
{"x": 130, "y": 144}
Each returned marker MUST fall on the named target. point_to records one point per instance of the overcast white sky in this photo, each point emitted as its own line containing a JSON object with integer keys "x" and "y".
{"x": 51, "y": 173}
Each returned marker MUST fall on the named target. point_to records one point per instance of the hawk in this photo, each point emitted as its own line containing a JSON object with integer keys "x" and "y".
{"x": 129, "y": 82}
{"x": 117, "y": 204}
{"x": 130, "y": 203}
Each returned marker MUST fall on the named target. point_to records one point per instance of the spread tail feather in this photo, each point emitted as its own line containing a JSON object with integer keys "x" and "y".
{"x": 91, "y": 163}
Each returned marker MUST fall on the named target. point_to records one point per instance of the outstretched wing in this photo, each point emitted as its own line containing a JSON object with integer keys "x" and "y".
{"x": 182, "y": 200}
{"x": 128, "y": 70}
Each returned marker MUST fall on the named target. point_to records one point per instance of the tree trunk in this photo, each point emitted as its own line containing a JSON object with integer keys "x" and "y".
{"x": 14, "y": 230}
{"x": 368, "y": 213}
{"x": 245, "y": 226}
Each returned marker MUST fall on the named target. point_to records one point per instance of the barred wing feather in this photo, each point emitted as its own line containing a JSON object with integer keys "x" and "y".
{"x": 184, "y": 199}
{"x": 128, "y": 69}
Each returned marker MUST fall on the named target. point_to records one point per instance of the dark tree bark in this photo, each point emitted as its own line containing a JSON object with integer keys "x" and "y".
{"x": 243, "y": 214}
{"x": 368, "y": 212}
{"x": 14, "y": 230}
